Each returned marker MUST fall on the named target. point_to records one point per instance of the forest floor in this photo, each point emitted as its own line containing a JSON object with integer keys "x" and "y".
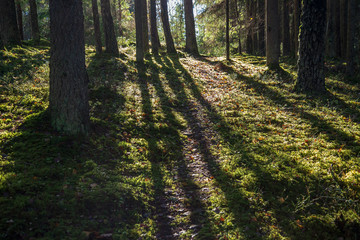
{"x": 180, "y": 148}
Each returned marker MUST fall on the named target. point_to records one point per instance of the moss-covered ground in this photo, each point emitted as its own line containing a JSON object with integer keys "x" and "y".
{"x": 180, "y": 148}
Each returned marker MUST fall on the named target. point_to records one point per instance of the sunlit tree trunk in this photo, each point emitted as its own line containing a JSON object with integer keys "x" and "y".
{"x": 111, "y": 45}
{"x": 98, "y": 44}
{"x": 272, "y": 34}
{"x": 166, "y": 26}
{"x": 191, "y": 45}
{"x": 155, "y": 42}
{"x": 139, "y": 31}
{"x": 34, "y": 21}
{"x": 19, "y": 18}
{"x": 68, "y": 106}
{"x": 312, "y": 47}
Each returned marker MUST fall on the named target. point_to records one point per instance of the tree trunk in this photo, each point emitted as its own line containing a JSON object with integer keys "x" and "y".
{"x": 227, "y": 31}
{"x": 191, "y": 45}
{"x": 145, "y": 26}
{"x": 166, "y": 26}
{"x": 239, "y": 26}
{"x": 255, "y": 27}
{"x": 285, "y": 28}
{"x": 9, "y": 32}
{"x": 95, "y": 11}
{"x": 343, "y": 26}
{"x": 330, "y": 48}
{"x": 139, "y": 31}
{"x": 249, "y": 43}
{"x": 69, "y": 103}
{"x": 111, "y": 45}
{"x": 120, "y": 19}
{"x": 19, "y": 18}
{"x": 155, "y": 42}
{"x": 350, "y": 38}
{"x": 34, "y": 21}
{"x": 272, "y": 34}
{"x": 337, "y": 42}
{"x": 297, "y": 8}
{"x": 261, "y": 14}
{"x": 312, "y": 46}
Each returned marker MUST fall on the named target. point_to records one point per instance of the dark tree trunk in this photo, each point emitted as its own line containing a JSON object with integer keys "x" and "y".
{"x": 111, "y": 45}
{"x": 261, "y": 13}
{"x": 145, "y": 26}
{"x": 350, "y": 38}
{"x": 336, "y": 15}
{"x": 343, "y": 27}
{"x": 312, "y": 46}
{"x": 227, "y": 31}
{"x": 285, "y": 28}
{"x": 297, "y": 8}
{"x": 272, "y": 33}
{"x": 69, "y": 105}
{"x": 330, "y": 47}
{"x": 155, "y": 42}
{"x": 19, "y": 18}
{"x": 191, "y": 45}
{"x": 166, "y": 26}
{"x": 95, "y": 11}
{"x": 9, "y": 32}
{"x": 139, "y": 31}
{"x": 120, "y": 18}
{"x": 34, "y": 21}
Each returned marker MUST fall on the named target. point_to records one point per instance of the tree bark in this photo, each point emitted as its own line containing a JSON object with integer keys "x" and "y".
{"x": 227, "y": 30}
{"x": 297, "y": 11}
{"x": 34, "y": 21}
{"x": 9, "y": 32}
{"x": 285, "y": 28}
{"x": 19, "y": 18}
{"x": 343, "y": 27}
{"x": 261, "y": 14}
{"x": 69, "y": 107}
{"x": 272, "y": 34}
{"x": 191, "y": 45}
{"x": 350, "y": 38}
{"x": 111, "y": 45}
{"x": 139, "y": 31}
{"x": 155, "y": 42}
{"x": 145, "y": 26}
{"x": 98, "y": 44}
{"x": 312, "y": 46}
{"x": 166, "y": 26}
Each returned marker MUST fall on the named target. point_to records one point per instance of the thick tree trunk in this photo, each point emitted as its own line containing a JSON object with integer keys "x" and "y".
{"x": 69, "y": 105}
{"x": 285, "y": 28}
{"x": 95, "y": 11}
{"x": 120, "y": 18}
{"x": 155, "y": 42}
{"x": 19, "y": 18}
{"x": 343, "y": 26}
{"x": 297, "y": 7}
{"x": 9, "y": 32}
{"x": 139, "y": 31}
{"x": 272, "y": 33}
{"x": 227, "y": 30}
{"x": 34, "y": 21}
{"x": 166, "y": 26}
{"x": 111, "y": 45}
{"x": 350, "y": 38}
{"x": 261, "y": 14}
{"x": 145, "y": 26}
{"x": 312, "y": 46}
{"x": 191, "y": 45}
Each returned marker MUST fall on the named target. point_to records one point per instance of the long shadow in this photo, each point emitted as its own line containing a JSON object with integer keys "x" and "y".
{"x": 272, "y": 186}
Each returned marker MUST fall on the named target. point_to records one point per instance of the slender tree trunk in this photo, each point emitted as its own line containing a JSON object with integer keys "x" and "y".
{"x": 9, "y": 32}
{"x": 155, "y": 42}
{"x": 97, "y": 32}
{"x": 69, "y": 102}
{"x": 343, "y": 26}
{"x": 166, "y": 26}
{"x": 34, "y": 21}
{"x": 336, "y": 15}
{"x": 312, "y": 46}
{"x": 272, "y": 34}
{"x": 120, "y": 18}
{"x": 261, "y": 9}
{"x": 145, "y": 26}
{"x": 139, "y": 31}
{"x": 19, "y": 19}
{"x": 111, "y": 45}
{"x": 350, "y": 38}
{"x": 227, "y": 31}
{"x": 191, "y": 45}
{"x": 297, "y": 8}
{"x": 285, "y": 28}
